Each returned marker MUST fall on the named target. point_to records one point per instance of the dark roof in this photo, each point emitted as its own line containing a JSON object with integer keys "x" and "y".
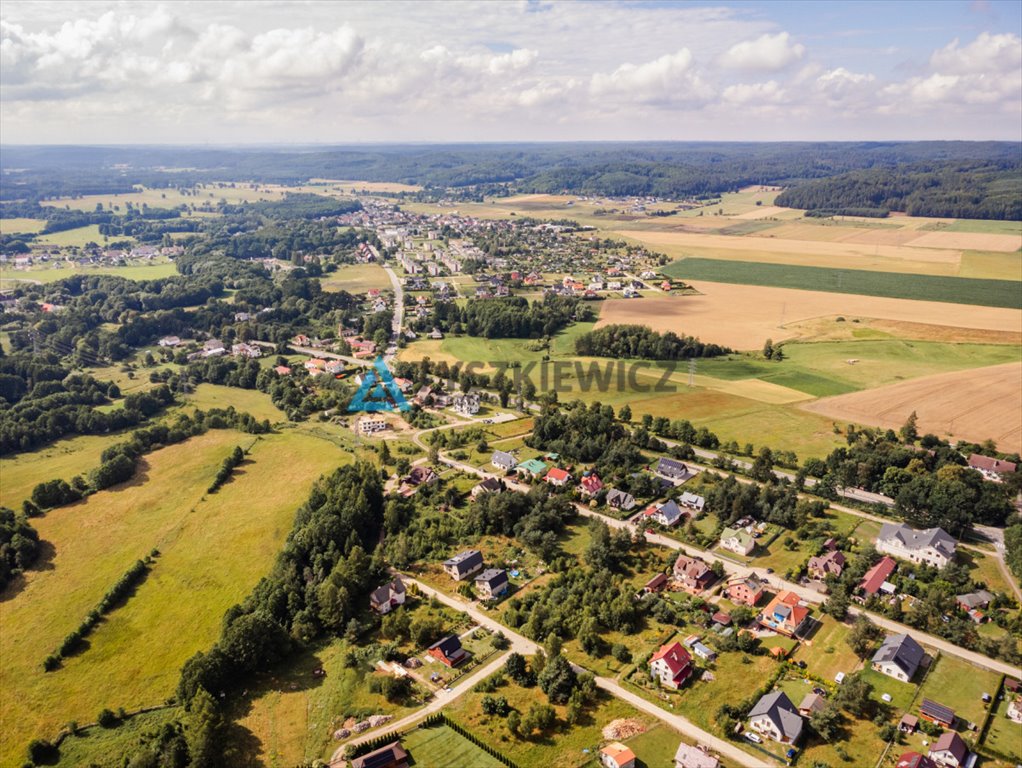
{"x": 671, "y": 467}
{"x": 953, "y": 743}
{"x": 937, "y": 711}
{"x": 469, "y": 559}
{"x": 392, "y": 754}
{"x": 905, "y": 652}
{"x": 778, "y": 707}
{"x": 448, "y": 646}
{"x": 489, "y": 484}
{"x": 494, "y": 577}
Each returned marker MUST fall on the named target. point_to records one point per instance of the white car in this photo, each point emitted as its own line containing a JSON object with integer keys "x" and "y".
{"x": 753, "y": 737}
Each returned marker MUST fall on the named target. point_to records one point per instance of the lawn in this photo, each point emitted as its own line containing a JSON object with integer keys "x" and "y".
{"x": 1003, "y": 735}
{"x": 79, "y": 236}
{"x": 19, "y": 225}
{"x": 441, "y": 747}
{"x": 735, "y": 682}
{"x": 656, "y": 747}
{"x": 213, "y": 551}
{"x": 956, "y": 290}
{"x": 827, "y": 653}
{"x": 957, "y": 684}
{"x": 984, "y": 568}
{"x": 251, "y": 401}
{"x": 52, "y": 274}
{"x": 901, "y": 693}
{"x": 356, "y": 278}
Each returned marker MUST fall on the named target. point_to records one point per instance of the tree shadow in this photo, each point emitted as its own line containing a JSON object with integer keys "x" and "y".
{"x": 45, "y": 555}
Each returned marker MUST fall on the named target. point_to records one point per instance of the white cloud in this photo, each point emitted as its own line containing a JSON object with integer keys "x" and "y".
{"x": 669, "y": 79}
{"x": 984, "y": 55}
{"x": 751, "y": 94}
{"x": 768, "y": 53}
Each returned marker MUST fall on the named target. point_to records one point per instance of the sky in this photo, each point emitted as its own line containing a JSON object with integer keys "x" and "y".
{"x": 318, "y": 71}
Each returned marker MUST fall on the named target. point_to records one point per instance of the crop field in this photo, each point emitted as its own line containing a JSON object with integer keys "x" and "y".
{"x": 155, "y": 271}
{"x": 17, "y": 226}
{"x": 977, "y": 405}
{"x": 171, "y": 198}
{"x": 79, "y": 236}
{"x": 213, "y": 551}
{"x": 983, "y": 226}
{"x": 931, "y": 288}
{"x": 744, "y": 316}
{"x": 356, "y": 278}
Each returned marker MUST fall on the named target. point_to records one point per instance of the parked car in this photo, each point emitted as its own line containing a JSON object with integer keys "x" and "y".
{"x": 753, "y": 737}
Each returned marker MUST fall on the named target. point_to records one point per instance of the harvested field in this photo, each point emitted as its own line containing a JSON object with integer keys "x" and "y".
{"x": 974, "y": 241}
{"x": 828, "y": 329}
{"x": 744, "y": 316}
{"x": 762, "y": 212}
{"x": 975, "y": 405}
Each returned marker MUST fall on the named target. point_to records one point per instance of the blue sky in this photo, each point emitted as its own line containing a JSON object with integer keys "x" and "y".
{"x": 323, "y": 71}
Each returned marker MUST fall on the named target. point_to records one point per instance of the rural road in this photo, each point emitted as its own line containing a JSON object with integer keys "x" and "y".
{"x": 399, "y": 307}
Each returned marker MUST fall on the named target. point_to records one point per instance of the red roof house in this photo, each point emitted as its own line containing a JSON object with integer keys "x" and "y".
{"x": 557, "y": 476}
{"x": 877, "y": 575}
{"x": 671, "y": 665}
{"x": 590, "y": 484}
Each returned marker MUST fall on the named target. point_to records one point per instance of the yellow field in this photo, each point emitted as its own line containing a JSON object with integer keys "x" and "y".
{"x": 976, "y": 405}
{"x": 171, "y": 198}
{"x": 356, "y": 278}
{"x": 971, "y": 240}
{"x": 744, "y": 316}
{"x": 77, "y": 237}
{"x": 214, "y": 550}
{"x": 18, "y": 225}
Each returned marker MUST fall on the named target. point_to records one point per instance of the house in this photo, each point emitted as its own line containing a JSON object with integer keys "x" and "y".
{"x": 914, "y": 760}
{"x": 466, "y": 403}
{"x": 532, "y": 468}
{"x": 315, "y": 365}
{"x": 974, "y": 601}
{"x": 937, "y": 713}
{"x": 672, "y": 469}
{"x": 618, "y": 499}
{"x": 334, "y": 367}
{"x": 775, "y": 717}
{"x": 491, "y": 583}
{"x": 828, "y": 564}
{"x": 899, "y": 657}
{"x": 703, "y": 652}
{"x": 391, "y": 756}
{"x": 876, "y": 576}
{"x": 489, "y": 485}
{"x": 169, "y": 341}
{"x": 464, "y": 564}
{"x": 403, "y": 384}
{"x": 301, "y": 340}
{"x": 448, "y": 651}
{"x": 693, "y": 574}
{"x": 616, "y": 755}
{"x": 671, "y": 665}
{"x": 282, "y": 370}
{"x": 949, "y": 750}
{"x": 813, "y": 702}
{"x": 688, "y": 756}
{"x": 692, "y": 501}
{"x": 737, "y": 540}
{"x": 908, "y": 724}
{"x": 387, "y": 597}
{"x": 667, "y": 514}
{"x": 558, "y": 477}
{"x": 590, "y": 484}
{"x": 744, "y": 590}
{"x": 784, "y": 614}
{"x": 436, "y": 333}
{"x": 371, "y": 424}
{"x": 503, "y": 461}
{"x": 420, "y": 476}
{"x": 1014, "y": 710}
{"x": 656, "y": 584}
{"x": 990, "y": 468}
{"x": 721, "y": 618}
{"x": 930, "y": 546}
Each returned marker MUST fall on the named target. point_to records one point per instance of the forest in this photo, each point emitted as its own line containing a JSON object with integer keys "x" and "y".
{"x": 638, "y": 341}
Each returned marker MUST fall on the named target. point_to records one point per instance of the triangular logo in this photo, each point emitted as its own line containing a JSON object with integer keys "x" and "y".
{"x": 379, "y": 391}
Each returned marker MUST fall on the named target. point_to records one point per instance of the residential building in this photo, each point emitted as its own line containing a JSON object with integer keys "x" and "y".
{"x": 282, "y": 370}
{"x": 448, "y": 651}
{"x": 590, "y": 484}
{"x": 667, "y": 514}
{"x": 558, "y": 477}
{"x": 990, "y": 468}
{"x": 489, "y": 485}
{"x": 692, "y": 501}
{"x": 619, "y": 499}
{"x": 1014, "y": 710}
{"x": 421, "y": 476}
{"x": 464, "y": 564}
{"x": 737, "y": 540}
{"x": 974, "y": 601}
{"x": 388, "y": 597}
{"x": 937, "y": 713}
{"x": 671, "y": 469}
{"x": 491, "y": 583}
{"x": 688, "y": 756}
{"x": 532, "y": 468}
{"x": 876, "y": 576}
{"x": 812, "y": 702}
{"x": 169, "y": 341}
{"x": 466, "y": 403}
{"x": 391, "y": 756}
{"x": 784, "y": 614}
{"x": 930, "y": 546}
{"x": 315, "y": 365}
{"x": 949, "y": 750}
{"x": 899, "y": 657}
{"x": 746, "y": 590}
{"x": 671, "y": 665}
{"x": 503, "y": 461}
{"x": 828, "y": 564}
{"x": 656, "y": 584}
{"x": 692, "y": 574}
{"x": 914, "y": 760}
{"x": 370, "y": 424}
{"x": 616, "y": 755}
{"x": 775, "y": 717}
{"x": 333, "y": 367}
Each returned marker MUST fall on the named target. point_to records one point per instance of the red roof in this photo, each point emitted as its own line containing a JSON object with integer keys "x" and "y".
{"x": 915, "y": 760}
{"x": 556, "y": 473}
{"x": 877, "y": 575}
{"x": 591, "y": 483}
{"x": 675, "y": 657}
{"x": 977, "y": 461}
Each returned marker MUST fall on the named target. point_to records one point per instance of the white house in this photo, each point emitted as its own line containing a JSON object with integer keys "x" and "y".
{"x": 737, "y": 540}
{"x": 899, "y": 657}
{"x": 931, "y": 546}
{"x": 616, "y": 755}
{"x": 466, "y": 403}
{"x": 775, "y": 717}
{"x": 371, "y": 424}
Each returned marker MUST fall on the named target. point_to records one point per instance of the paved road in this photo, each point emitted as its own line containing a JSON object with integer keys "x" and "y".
{"x": 399, "y": 307}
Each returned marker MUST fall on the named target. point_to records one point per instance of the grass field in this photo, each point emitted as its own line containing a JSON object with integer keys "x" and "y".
{"x": 21, "y": 225}
{"x": 957, "y": 684}
{"x": 1004, "y": 735}
{"x": 827, "y": 653}
{"x": 356, "y": 278}
{"x": 251, "y": 401}
{"x": 50, "y": 274}
{"x": 210, "y": 193}
{"x": 213, "y": 549}
{"x": 106, "y": 747}
{"x": 79, "y": 236}
{"x": 987, "y": 293}
{"x": 442, "y": 747}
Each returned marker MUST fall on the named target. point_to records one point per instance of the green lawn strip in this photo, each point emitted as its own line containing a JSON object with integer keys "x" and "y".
{"x": 439, "y": 746}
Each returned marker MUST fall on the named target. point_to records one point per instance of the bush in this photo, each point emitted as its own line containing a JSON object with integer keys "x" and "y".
{"x": 43, "y": 752}
{"x": 107, "y": 719}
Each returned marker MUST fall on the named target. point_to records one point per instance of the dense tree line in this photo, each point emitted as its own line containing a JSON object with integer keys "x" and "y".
{"x": 535, "y": 519}
{"x": 226, "y": 469}
{"x": 296, "y": 205}
{"x": 578, "y": 432}
{"x": 638, "y": 341}
{"x": 972, "y": 190}
{"x": 514, "y": 317}
{"x": 19, "y": 545}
